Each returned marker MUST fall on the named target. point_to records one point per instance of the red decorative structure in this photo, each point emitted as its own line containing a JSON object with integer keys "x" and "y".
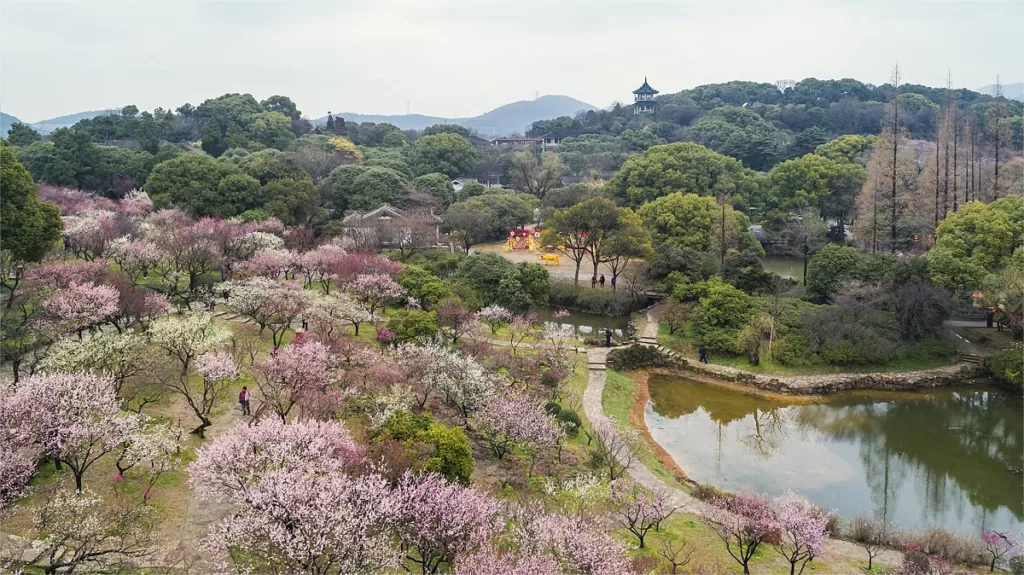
{"x": 523, "y": 239}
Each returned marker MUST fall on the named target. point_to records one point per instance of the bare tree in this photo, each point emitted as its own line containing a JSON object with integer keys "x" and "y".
{"x": 535, "y": 175}
{"x": 676, "y": 551}
{"x": 997, "y": 131}
{"x": 872, "y": 535}
{"x": 617, "y": 448}
{"x": 805, "y": 235}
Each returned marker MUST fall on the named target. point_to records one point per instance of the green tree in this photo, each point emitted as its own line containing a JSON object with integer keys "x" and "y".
{"x": 448, "y": 154}
{"x": 469, "y": 223}
{"x": 272, "y": 129}
{"x": 629, "y": 241}
{"x": 29, "y": 228}
{"x": 805, "y": 235}
{"x": 830, "y": 268}
{"x": 848, "y": 149}
{"x": 454, "y": 457}
{"x": 413, "y": 325}
{"x": 269, "y": 165}
{"x": 423, "y": 285}
{"x": 437, "y": 185}
{"x": 445, "y": 129}
{"x": 740, "y": 133}
{"x": 684, "y": 166}
{"x": 293, "y": 201}
{"x": 971, "y": 243}
{"x": 724, "y": 311}
{"x": 282, "y": 104}
{"x": 22, "y": 135}
{"x": 693, "y": 222}
{"x": 498, "y": 281}
{"x": 213, "y": 141}
{"x": 361, "y": 187}
{"x": 583, "y": 230}
{"x": 241, "y": 191}
{"x": 470, "y": 189}
{"x": 192, "y": 182}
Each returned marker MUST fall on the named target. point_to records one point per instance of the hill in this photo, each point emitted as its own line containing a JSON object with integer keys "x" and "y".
{"x": 514, "y": 117}
{"x": 47, "y": 126}
{"x": 1013, "y": 91}
{"x": 5, "y": 123}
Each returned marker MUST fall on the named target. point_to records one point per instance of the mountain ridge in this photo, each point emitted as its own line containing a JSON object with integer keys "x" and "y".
{"x": 514, "y": 117}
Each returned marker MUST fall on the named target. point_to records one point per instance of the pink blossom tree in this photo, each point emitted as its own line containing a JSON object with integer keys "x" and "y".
{"x": 135, "y": 204}
{"x": 60, "y": 274}
{"x": 491, "y": 561}
{"x": 17, "y": 467}
{"x": 455, "y": 320}
{"x": 270, "y": 263}
{"x": 743, "y": 523}
{"x": 79, "y": 306}
{"x": 520, "y": 329}
{"x": 375, "y": 291}
{"x": 319, "y": 264}
{"x": 615, "y": 447}
{"x": 577, "y": 544}
{"x": 134, "y": 257}
{"x": 269, "y": 304}
{"x": 218, "y": 372}
{"x": 997, "y": 545}
{"x": 494, "y": 316}
{"x": 639, "y": 509}
{"x": 436, "y": 521}
{"x": 230, "y": 465}
{"x": 802, "y": 531}
{"x": 87, "y": 234}
{"x": 190, "y": 250}
{"x": 510, "y": 419}
{"x": 352, "y": 265}
{"x": 72, "y": 417}
{"x": 299, "y": 374}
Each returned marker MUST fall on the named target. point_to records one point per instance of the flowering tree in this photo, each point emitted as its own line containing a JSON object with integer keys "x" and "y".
{"x": 491, "y": 561}
{"x": 521, "y": 328}
{"x": 249, "y": 244}
{"x": 234, "y": 462}
{"x": 299, "y": 523}
{"x": 17, "y": 468}
{"x": 185, "y": 337}
{"x": 328, "y": 314}
{"x": 135, "y": 204}
{"x": 494, "y": 316}
{"x": 802, "y": 531}
{"x": 73, "y": 417}
{"x": 270, "y": 263}
{"x": 616, "y": 447}
{"x": 135, "y": 305}
{"x": 269, "y": 304}
{"x": 347, "y": 268}
{"x": 152, "y": 447}
{"x": 118, "y": 355}
{"x": 218, "y": 371}
{"x": 742, "y": 522}
{"x": 86, "y": 234}
{"x": 466, "y": 385}
{"x": 134, "y": 257}
{"x": 81, "y": 532}
{"x": 997, "y": 545}
{"x": 511, "y": 419}
{"x": 455, "y": 320}
{"x": 375, "y": 291}
{"x": 190, "y": 249}
{"x": 579, "y": 546}
{"x": 79, "y": 306}
{"x": 437, "y": 521}
{"x": 63, "y": 273}
{"x": 299, "y": 374}
{"x": 640, "y": 509}
{"x": 319, "y": 264}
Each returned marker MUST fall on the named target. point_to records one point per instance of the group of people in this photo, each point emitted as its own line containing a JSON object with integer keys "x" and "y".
{"x": 595, "y": 280}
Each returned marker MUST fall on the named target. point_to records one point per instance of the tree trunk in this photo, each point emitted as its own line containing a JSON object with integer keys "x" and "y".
{"x": 201, "y": 430}
{"x": 78, "y": 480}
{"x": 577, "y": 278}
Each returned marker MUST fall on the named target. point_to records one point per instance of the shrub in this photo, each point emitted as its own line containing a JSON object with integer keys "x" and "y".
{"x": 454, "y": 459}
{"x": 791, "y": 350}
{"x": 570, "y": 421}
{"x": 404, "y": 425}
{"x": 952, "y": 546}
{"x": 1008, "y": 366}
{"x": 636, "y": 357}
{"x": 414, "y": 325}
{"x": 1017, "y": 565}
{"x": 564, "y": 293}
{"x": 708, "y": 492}
{"x": 552, "y": 408}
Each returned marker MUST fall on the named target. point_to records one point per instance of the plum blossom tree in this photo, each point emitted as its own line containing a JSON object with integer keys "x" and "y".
{"x": 872, "y": 535}
{"x": 997, "y": 545}
{"x": 521, "y": 328}
{"x": 249, "y": 244}
{"x": 151, "y": 447}
{"x": 802, "y": 531}
{"x": 616, "y": 448}
{"x": 269, "y": 304}
{"x": 328, "y": 314}
{"x": 455, "y": 320}
{"x": 81, "y": 532}
{"x": 134, "y": 257}
{"x": 436, "y": 521}
{"x": 17, "y": 468}
{"x": 743, "y": 523}
{"x": 494, "y": 316}
{"x": 218, "y": 371}
{"x": 86, "y": 234}
{"x": 375, "y": 291}
{"x": 510, "y": 419}
{"x": 63, "y": 273}
{"x": 135, "y": 204}
{"x": 300, "y": 523}
{"x": 466, "y": 385}
{"x": 136, "y": 305}
{"x": 79, "y": 306}
{"x": 190, "y": 250}
{"x": 318, "y": 265}
{"x": 299, "y": 374}
{"x": 230, "y": 465}
{"x": 270, "y": 263}
{"x": 72, "y": 417}
{"x": 352, "y": 265}
{"x": 119, "y": 355}
{"x": 640, "y": 509}
{"x": 185, "y": 337}
{"x": 578, "y": 545}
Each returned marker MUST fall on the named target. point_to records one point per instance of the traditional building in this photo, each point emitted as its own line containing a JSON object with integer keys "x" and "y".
{"x": 643, "y": 98}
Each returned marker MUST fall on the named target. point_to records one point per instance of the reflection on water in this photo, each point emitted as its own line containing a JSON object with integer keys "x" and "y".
{"x": 588, "y": 325}
{"x": 933, "y": 458}
{"x": 786, "y": 266}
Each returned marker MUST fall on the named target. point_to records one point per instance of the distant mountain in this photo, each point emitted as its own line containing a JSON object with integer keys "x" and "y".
{"x": 5, "y": 123}
{"x": 47, "y": 126}
{"x": 1012, "y": 91}
{"x": 514, "y": 117}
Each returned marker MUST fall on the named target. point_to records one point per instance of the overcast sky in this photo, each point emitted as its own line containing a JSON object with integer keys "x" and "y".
{"x": 462, "y": 58}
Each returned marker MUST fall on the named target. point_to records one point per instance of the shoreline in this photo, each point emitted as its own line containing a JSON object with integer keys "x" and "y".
{"x": 636, "y": 419}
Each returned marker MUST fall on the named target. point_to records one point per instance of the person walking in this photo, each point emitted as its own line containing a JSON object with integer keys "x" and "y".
{"x": 243, "y": 399}
{"x": 703, "y": 352}
{"x": 613, "y": 283}
{"x": 601, "y": 281}
{"x": 593, "y": 282}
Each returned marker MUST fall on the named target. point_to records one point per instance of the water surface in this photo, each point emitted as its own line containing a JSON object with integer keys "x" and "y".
{"x": 786, "y": 266}
{"x": 943, "y": 457}
{"x": 587, "y": 325}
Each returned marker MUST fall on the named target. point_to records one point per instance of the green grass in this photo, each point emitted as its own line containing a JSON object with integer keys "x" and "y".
{"x": 684, "y": 342}
{"x": 618, "y": 397}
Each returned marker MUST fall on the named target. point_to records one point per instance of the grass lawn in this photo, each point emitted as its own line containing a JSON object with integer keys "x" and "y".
{"x": 619, "y": 395}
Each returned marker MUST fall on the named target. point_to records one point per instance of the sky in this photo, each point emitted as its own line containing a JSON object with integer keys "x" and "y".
{"x": 463, "y": 58}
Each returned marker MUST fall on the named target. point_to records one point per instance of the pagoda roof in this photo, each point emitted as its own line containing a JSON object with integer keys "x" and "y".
{"x": 645, "y": 88}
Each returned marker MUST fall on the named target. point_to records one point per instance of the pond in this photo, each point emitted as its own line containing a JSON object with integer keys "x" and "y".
{"x": 786, "y": 266}
{"x": 949, "y": 457}
{"x": 587, "y": 325}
